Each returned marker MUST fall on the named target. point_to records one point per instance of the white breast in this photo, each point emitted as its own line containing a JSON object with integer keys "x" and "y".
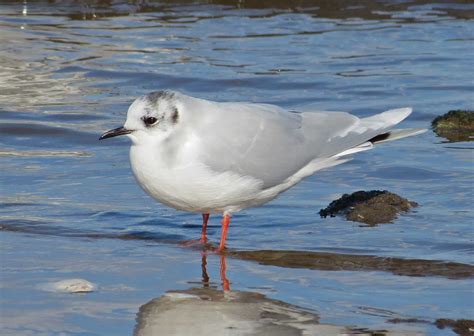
{"x": 186, "y": 184}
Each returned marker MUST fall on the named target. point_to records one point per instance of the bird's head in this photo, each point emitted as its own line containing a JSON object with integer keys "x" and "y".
{"x": 151, "y": 116}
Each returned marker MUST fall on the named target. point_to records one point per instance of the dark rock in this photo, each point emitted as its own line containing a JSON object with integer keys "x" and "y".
{"x": 460, "y": 327}
{"x": 456, "y": 125}
{"x": 369, "y": 207}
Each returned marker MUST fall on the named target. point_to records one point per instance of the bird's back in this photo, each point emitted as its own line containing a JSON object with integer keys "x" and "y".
{"x": 264, "y": 141}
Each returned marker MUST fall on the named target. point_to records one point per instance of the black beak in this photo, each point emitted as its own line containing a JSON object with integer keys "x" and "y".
{"x": 115, "y": 132}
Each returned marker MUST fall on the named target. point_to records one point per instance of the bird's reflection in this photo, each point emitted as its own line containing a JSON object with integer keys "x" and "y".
{"x": 206, "y": 309}
{"x": 210, "y": 309}
{"x": 205, "y": 276}
{"x": 224, "y": 281}
{"x": 222, "y": 270}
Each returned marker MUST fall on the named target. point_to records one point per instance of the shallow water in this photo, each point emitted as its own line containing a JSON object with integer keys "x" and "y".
{"x": 69, "y": 206}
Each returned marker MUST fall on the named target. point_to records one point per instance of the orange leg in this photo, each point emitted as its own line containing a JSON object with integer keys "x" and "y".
{"x": 225, "y": 282}
{"x": 225, "y": 225}
{"x": 205, "y": 218}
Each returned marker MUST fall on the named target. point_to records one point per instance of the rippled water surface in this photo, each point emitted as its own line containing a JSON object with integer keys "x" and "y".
{"x": 69, "y": 207}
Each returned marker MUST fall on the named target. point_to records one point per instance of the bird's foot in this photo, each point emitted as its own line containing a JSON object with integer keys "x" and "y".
{"x": 216, "y": 250}
{"x": 192, "y": 242}
{"x": 198, "y": 244}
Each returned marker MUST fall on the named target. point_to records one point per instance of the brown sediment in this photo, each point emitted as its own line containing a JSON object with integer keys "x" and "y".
{"x": 407, "y": 320}
{"x": 369, "y": 207}
{"x": 456, "y": 125}
{"x": 461, "y": 327}
{"x": 348, "y": 262}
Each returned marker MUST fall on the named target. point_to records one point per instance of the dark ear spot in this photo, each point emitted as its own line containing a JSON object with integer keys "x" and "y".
{"x": 175, "y": 115}
{"x": 156, "y": 96}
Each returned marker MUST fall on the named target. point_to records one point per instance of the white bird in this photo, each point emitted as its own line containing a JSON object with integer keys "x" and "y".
{"x": 210, "y": 157}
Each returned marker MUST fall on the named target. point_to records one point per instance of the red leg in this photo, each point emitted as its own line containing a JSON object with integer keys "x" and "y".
{"x": 225, "y": 225}
{"x": 205, "y": 218}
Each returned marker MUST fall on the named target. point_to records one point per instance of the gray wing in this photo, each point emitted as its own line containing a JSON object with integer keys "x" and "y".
{"x": 269, "y": 143}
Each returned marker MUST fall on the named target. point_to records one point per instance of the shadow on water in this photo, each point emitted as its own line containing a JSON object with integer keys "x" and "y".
{"x": 324, "y": 261}
{"x": 182, "y": 312}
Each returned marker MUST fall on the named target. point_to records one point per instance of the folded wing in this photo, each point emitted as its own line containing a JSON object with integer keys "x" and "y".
{"x": 272, "y": 144}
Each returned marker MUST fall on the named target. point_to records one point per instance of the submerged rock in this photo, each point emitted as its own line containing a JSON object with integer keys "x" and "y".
{"x": 369, "y": 207}
{"x": 69, "y": 286}
{"x": 456, "y": 125}
{"x": 460, "y": 327}
{"x": 327, "y": 261}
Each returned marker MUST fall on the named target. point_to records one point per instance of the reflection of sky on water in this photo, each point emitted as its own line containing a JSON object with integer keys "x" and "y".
{"x": 115, "y": 265}
{"x": 129, "y": 274}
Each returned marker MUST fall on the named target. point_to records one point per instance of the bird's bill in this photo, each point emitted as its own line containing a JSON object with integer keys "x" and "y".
{"x": 115, "y": 132}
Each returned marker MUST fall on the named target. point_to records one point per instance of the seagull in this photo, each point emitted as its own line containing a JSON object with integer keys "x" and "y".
{"x": 208, "y": 157}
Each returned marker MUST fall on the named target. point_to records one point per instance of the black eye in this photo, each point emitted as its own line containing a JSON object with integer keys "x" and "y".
{"x": 150, "y": 120}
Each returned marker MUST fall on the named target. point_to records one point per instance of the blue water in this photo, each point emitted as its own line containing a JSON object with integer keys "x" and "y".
{"x": 69, "y": 207}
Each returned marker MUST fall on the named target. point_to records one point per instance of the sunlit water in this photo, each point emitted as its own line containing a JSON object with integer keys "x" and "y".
{"x": 71, "y": 209}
